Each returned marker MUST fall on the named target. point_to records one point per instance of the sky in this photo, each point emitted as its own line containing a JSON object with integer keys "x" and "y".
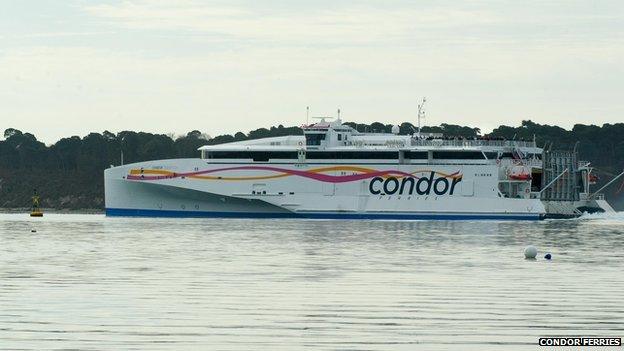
{"x": 72, "y": 67}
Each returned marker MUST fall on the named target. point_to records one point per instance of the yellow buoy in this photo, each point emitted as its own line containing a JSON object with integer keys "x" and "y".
{"x": 35, "y": 211}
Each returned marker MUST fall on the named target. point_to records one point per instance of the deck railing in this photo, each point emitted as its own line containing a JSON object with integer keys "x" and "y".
{"x": 472, "y": 142}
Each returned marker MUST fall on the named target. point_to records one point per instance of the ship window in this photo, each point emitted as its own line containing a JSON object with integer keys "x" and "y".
{"x": 339, "y": 137}
{"x": 416, "y": 155}
{"x": 353, "y": 155}
{"x": 507, "y": 155}
{"x": 254, "y": 155}
{"x": 458, "y": 155}
{"x": 314, "y": 139}
{"x": 491, "y": 155}
{"x": 260, "y": 156}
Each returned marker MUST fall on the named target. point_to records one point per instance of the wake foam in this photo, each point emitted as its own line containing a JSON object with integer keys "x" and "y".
{"x": 610, "y": 216}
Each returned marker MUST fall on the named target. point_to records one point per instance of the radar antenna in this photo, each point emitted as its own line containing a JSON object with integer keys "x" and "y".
{"x": 421, "y": 113}
{"x": 323, "y": 118}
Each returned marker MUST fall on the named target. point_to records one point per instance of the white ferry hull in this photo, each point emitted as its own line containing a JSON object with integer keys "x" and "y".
{"x": 195, "y": 188}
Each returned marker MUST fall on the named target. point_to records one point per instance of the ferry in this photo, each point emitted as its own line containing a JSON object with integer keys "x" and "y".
{"x": 333, "y": 171}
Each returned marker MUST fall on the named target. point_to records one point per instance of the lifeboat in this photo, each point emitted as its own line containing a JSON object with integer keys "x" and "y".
{"x": 521, "y": 173}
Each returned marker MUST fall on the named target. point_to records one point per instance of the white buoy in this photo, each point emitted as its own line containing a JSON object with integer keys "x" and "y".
{"x": 530, "y": 252}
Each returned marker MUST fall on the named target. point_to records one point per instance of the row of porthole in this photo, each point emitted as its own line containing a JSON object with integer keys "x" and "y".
{"x": 292, "y": 193}
{"x": 405, "y": 197}
{"x": 160, "y": 206}
{"x": 253, "y": 192}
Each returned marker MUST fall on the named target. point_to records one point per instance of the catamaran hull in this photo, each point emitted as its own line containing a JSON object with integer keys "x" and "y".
{"x": 193, "y": 188}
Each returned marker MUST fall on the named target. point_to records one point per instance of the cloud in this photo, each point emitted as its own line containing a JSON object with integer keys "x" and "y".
{"x": 61, "y": 34}
{"x": 178, "y": 66}
{"x": 370, "y": 23}
{"x": 347, "y": 25}
{"x": 67, "y": 90}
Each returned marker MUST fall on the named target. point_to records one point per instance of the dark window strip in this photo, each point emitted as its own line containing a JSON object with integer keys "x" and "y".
{"x": 458, "y": 155}
{"x": 348, "y": 155}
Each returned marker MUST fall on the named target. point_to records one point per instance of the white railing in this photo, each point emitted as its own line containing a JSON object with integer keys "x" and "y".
{"x": 472, "y": 142}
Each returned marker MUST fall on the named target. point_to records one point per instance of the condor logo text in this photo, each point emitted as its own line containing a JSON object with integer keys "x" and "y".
{"x": 409, "y": 185}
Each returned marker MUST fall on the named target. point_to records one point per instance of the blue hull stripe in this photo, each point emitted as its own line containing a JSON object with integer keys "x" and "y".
{"x": 123, "y": 212}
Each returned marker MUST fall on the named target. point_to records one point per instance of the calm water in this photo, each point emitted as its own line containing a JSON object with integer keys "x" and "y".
{"x": 91, "y": 283}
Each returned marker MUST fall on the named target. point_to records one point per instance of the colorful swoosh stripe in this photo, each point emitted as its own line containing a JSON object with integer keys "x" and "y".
{"x": 316, "y": 174}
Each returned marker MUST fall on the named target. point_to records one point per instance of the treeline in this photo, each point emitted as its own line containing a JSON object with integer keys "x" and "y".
{"x": 69, "y": 173}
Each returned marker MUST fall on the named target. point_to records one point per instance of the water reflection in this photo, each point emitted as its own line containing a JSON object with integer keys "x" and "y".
{"x": 89, "y": 282}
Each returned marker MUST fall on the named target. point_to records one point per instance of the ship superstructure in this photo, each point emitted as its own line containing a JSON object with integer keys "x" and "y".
{"x": 334, "y": 171}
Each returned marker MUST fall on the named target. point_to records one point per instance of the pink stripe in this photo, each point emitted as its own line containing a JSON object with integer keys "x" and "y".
{"x": 317, "y": 176}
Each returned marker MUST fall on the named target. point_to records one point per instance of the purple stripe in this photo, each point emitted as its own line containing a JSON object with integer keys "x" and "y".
{"x": 317, "y": 176}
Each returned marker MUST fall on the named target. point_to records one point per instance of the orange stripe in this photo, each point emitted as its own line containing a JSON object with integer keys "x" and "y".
{"x": 316, "y": 170}
{"x": 150, "y": 171}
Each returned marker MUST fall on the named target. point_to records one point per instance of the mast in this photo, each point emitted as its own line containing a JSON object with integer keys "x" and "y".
{"x": 421, "y": 113}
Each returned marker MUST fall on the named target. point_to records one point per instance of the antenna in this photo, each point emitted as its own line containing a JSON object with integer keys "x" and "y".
{"x": 421, "y": 113}
{"x": 339, "y": 116}
{"x": 322, "y": 118}
{"x": 307, "y": 115}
